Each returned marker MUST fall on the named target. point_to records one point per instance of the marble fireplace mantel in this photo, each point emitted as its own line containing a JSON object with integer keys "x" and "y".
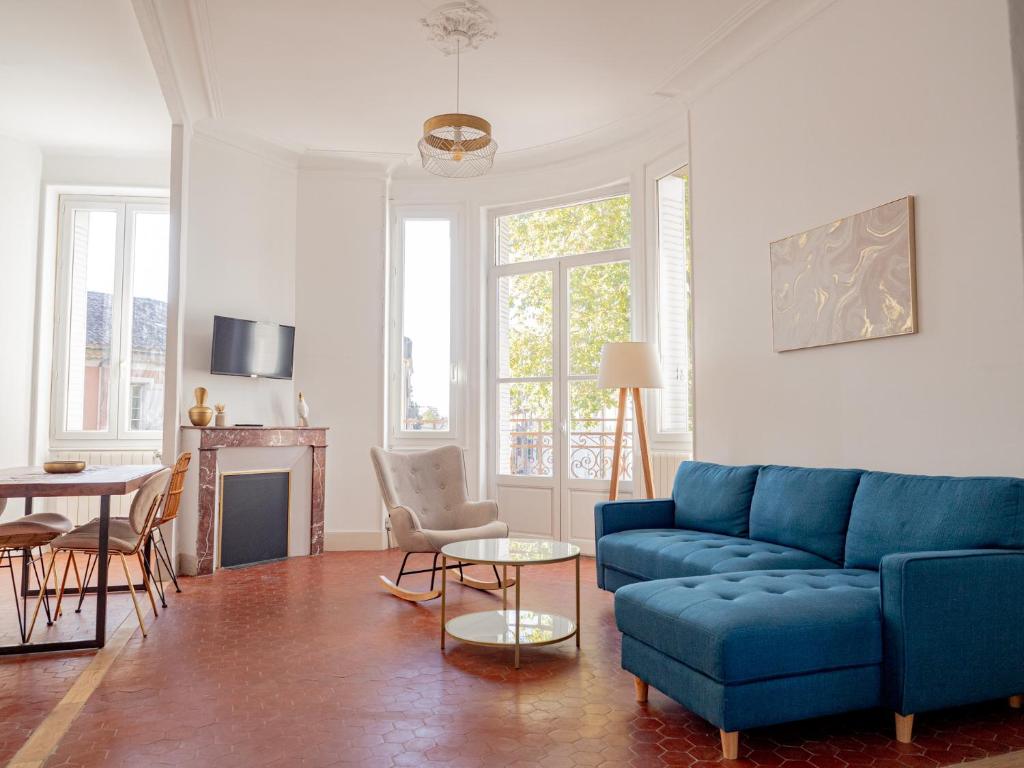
{"x": 209, "y": 443}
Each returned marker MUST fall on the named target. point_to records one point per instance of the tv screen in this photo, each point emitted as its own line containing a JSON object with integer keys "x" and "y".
{"x": 250, "y": 348}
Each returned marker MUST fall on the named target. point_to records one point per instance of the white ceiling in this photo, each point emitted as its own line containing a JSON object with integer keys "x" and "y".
{"x": 360, "y": 76}
{"x": 75, "y": 75}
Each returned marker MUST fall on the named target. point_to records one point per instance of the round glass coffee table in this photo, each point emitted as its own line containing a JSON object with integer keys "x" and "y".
{"x": 510, "y": 628}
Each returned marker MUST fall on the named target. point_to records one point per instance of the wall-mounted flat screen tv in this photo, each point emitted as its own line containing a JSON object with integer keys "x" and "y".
{"x": 251, "y": 348}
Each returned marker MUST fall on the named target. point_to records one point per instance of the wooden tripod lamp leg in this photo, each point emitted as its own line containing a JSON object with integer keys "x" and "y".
{"x": 613, "y": 490}
{"x": 641, "y": 428}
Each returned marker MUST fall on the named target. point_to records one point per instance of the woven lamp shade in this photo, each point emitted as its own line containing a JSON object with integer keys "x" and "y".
{"x": 457, "y": 146}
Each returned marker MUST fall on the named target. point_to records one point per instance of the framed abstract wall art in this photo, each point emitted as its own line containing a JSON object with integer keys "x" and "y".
{"x": 849, "y": 280}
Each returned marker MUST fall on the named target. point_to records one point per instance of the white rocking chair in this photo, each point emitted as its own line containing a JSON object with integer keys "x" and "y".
{"x": 427, "y": 500}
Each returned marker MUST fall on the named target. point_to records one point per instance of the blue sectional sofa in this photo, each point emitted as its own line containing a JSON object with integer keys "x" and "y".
{"x": 758, "y": 595}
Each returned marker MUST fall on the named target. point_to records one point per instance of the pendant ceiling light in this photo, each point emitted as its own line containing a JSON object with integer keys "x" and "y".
{"x": 456, "y": 145}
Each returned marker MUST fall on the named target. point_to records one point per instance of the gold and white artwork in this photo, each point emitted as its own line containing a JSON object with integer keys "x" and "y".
{"x": 849, "y": 280}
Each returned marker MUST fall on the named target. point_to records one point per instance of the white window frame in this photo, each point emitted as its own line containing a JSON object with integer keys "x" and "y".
{"x": 665, "y": 165}
{"x": 397, "y": 438}
{"x": 118, "y": 413}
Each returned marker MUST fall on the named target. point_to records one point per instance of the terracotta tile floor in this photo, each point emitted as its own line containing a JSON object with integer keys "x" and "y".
{"x": 30, "y": 686}
{"x": 308, "y": 663}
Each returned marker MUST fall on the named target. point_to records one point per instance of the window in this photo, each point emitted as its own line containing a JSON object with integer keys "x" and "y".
{"x": 111, "y": 319}
{"x": 674, "y": 305}
{"x": 423, "y": 359}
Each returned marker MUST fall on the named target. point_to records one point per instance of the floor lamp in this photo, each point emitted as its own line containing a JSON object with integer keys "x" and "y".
{"x": 630, "y": 366}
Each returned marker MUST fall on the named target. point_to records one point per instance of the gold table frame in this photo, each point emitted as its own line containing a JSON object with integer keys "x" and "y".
{"x": 518, "y": 566}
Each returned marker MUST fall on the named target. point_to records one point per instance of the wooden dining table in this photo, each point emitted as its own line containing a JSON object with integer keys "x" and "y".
{"x": 30, "y": 483}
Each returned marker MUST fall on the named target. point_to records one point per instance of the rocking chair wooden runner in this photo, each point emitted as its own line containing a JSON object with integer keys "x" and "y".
{"x": 428, "y": 507}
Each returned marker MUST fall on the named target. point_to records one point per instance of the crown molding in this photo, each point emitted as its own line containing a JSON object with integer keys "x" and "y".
{"x": 199, "y": 13}
{"x": 168, "y": 29}
{"x": 716, "y": 37}
{"x": 154, "y": 37}
{"x": 361, "y": 164}
{"x": 758, "y": 26}
{"x": 267, "y": 151}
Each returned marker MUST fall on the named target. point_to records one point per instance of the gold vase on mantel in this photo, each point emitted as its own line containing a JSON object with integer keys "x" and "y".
{"x": 200, "y": 413}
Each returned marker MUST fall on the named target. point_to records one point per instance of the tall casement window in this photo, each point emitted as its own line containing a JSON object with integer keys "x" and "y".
{"x": 673, "y": 307}
{"x": 111, "y": 319}
{"x": 560, "y": 288}
{"x": 423, "y": 371}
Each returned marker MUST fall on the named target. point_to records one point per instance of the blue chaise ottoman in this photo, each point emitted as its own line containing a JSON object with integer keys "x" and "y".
{"x": 757, "y": 648}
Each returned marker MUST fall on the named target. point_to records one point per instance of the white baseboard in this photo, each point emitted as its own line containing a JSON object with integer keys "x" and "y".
{"x": 188, "y": 565}
{"x": 347, "y": 541}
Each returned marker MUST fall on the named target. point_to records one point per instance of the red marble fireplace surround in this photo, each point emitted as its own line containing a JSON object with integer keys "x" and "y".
{"x": 212, "y": 439}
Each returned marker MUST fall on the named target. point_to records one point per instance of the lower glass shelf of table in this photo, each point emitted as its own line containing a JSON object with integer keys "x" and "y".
{"x": 499, "y": 628}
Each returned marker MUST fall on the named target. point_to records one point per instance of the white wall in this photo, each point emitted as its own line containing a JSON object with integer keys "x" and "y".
{"x": 339, "y": 341}
{"x": 241, "y": 263}
{"x": 869, "y": 101}
{"x": 20, "y": 175}
{"x": 106, "y": 170}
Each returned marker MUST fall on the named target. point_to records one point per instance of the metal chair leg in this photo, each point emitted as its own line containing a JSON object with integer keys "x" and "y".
{"x": 60, "y": 592}
{"x": 401, "y": 570}
{"x": 433, "y": 571}
{"x": 131, "y": 591}
{"x": 90, "y": 567}
{"x": 147, "y": 565}
{"x": 19, "y": 598}
{"x": 42, "y": 591}
{"x": 158, "y": 582}
{"x": 145, "y": 583}
{"x": 165, "y": 556}
{"x": 46, "y": 598}
{"x": 73, "y": 561}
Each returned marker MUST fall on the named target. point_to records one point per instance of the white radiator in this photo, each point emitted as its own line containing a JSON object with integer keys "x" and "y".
{"x": 82, "y": 509}
{"x": 664, "y": 465}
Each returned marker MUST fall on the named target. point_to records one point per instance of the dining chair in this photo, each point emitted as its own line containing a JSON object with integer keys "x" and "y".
{"x": 169, "y": 511}
{"x": 18, "y": 538}
{"x": 155, "y": 543}
{"x": 125, "y": 539}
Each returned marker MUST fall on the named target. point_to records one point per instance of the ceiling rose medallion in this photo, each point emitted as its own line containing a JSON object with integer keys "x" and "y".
{"x": 457, "y": 145}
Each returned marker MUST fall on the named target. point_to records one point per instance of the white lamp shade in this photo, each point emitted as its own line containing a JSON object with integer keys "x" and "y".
{"x": 629, "y": 364}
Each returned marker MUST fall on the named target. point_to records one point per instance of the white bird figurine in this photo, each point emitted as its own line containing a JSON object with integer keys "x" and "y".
{"x": 302, "y": 409}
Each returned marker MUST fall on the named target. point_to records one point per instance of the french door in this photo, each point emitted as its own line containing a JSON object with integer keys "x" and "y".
{"x": 552, "y": 428}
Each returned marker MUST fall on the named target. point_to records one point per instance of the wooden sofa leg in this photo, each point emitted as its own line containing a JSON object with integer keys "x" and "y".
{"x": 641, "y": 690}
{"x": 730, "y": 744}
{"x": 1016, "y": 702}
{"x": 904, "y": 728}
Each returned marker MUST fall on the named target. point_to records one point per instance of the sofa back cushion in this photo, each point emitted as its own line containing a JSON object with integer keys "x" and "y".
{"x": 915, "y": 513}
{"x": 714, "y": 497}
{"x": 804, "y": 508}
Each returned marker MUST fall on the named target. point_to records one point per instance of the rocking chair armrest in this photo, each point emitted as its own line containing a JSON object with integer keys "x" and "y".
{"x": 477, "y": 513}
{"x": 404, "y": 519}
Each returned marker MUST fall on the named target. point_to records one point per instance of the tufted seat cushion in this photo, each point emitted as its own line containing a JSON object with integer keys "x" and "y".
{"x": 761, "y": 625}
{"x": 670, "y": 553}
